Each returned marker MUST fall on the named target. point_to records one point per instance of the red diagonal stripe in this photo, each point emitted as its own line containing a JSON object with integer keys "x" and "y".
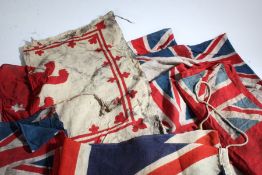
{"x": 165, "y": 105}
{"x": 175, "y": 91}
{"x": 209, "y": 139}
{"x": 33, "y": 169}
{"x": 224, "y": 94}
{"x": 211, "y": 48}
{"x": 178, "y": 165}
{"x": 170, "y": 38}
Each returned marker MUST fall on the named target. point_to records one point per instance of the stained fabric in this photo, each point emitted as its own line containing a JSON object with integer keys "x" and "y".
{"x": 193, "y": 152}
{"x": 234, "y": 102}
{"x": 98, "y": 90}
{"x": 28, "y": 146}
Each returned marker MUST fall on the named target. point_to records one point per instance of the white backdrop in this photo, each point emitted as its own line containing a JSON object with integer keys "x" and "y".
{"x": 192, "y": 21}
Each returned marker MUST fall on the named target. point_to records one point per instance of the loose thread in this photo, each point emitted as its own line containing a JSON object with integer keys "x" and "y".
{"x": 124, "y": 19}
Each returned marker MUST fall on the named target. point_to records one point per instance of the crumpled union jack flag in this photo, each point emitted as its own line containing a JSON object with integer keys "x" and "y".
{"x": 232, "y": 99}
{"x": 175, "y": 113}
{"x": 180, "y": 112}
{"x": 194, "y": 152}
{"x": 28, "y": 146}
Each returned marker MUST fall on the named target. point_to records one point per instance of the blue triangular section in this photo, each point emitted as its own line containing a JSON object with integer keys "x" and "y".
{"x": 242, "y": 124}
{"x": 191, "y": 81}
{"x": 189, "y": 113}
{"x": 154, "y": 38}
{"x": 221, "y": 76}
{"x": 199, "y": 48}
{"x": 244, "y": 69}
{"x": 246, "y": 103}
{"x": 36, "y": 136}
{"x": 164, "y": 83}
{"x": 46, "y": 162}
{"x": 6, "y": 129}
{"x": 226, "y": 49}
{"x": 129, "y": 157}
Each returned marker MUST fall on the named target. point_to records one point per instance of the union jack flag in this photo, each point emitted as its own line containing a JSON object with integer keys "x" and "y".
{"x": 28, "y": 146}
{"x": 176, "y": 113}
{"x": 194, "y": 152}
{"x": 235, "y": 103}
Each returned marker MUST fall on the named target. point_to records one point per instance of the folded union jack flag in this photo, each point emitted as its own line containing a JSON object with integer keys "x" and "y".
{"x": 175, "y": 113}
{"x": 194, "y": 152}
{"x": 28, "y": 146}
{"x": 234, "y": 102}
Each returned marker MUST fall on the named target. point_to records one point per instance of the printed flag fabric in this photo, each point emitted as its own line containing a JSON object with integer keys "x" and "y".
{"x": 194, "y": 152}
{"x": 175, "y": 113}
{"x": 28, "y": 146}
{"x": 235, "y": 103}
{"x": 152, "y": 42}
{"x": 16, "y": 95}
{"x": 98, "y": 89}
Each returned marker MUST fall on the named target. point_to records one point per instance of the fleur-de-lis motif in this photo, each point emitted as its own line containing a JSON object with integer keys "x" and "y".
{"x": 119, "y": 118}
{"x": 94, "y": 128}
{"x": 71, "y": 44}
{"x": 132, "y": 93}
{"x": 105, "y": 63}
{"x": 117, "y": 58}
{"x": 117, "y": 101}
{"x": 39, "y": 52}
{"x": 139, "y": 124}
{"x": 99, "y": 50}
{"x": 111, "y": 80}
{"x": 125, "y": 74}
{"x": 93, "y": 40}
{"x": 101, "y": 25}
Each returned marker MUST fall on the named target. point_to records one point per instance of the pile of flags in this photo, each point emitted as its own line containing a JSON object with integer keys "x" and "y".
{"x": 88, "y": 102}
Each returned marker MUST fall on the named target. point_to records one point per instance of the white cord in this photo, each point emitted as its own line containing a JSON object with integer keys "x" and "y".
{"x": 219, "y": 114}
